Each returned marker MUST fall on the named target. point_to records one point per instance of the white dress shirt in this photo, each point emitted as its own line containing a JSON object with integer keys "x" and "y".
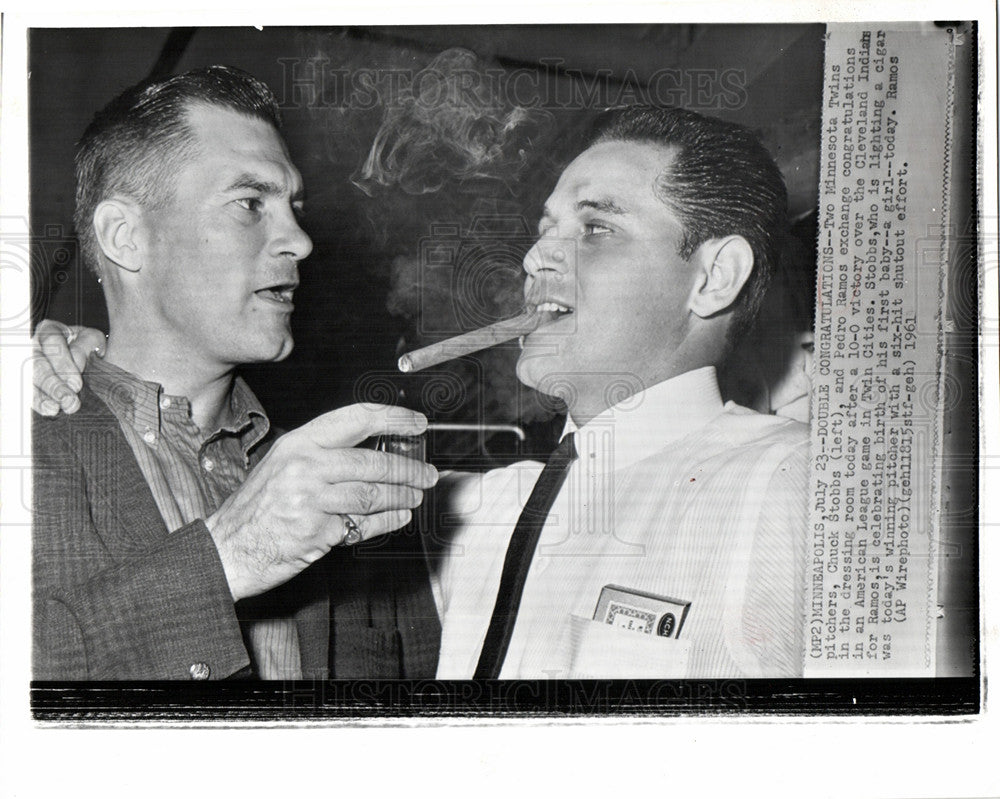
{"x": 673, "y": 494}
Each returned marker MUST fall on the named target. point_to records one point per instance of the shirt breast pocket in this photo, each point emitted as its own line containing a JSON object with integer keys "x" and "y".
{"x": 598, "y": 650}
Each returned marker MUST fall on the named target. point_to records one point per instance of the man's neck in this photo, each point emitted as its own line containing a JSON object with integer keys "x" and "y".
{"x": 207, "y": 387}
{"x": 592, "y": 399}
{"x": 702, "y": 347}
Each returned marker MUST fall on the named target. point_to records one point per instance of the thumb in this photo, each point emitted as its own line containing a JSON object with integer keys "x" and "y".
{"x": 349, "y": 426}
{"x": 87, "y": 340}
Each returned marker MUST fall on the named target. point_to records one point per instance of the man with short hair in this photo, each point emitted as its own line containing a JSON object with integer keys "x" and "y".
{"x": 175, "y": 535}
{"x": 674, "y": 546}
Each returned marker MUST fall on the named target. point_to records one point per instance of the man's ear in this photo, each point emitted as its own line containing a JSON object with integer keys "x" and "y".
{"x": 724, "y": 267}
{"x": 116, "y": 224}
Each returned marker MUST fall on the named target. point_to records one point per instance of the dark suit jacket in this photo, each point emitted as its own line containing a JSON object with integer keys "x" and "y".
{"x": 118, "y": 596}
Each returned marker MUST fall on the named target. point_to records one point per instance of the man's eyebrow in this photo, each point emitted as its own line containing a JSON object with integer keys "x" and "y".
{"x": 254, "y": 183}
{"x": 604, "y": 206}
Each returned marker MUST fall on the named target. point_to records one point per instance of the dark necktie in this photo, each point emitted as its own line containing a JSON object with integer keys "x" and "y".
{"x": 519, "y": 554}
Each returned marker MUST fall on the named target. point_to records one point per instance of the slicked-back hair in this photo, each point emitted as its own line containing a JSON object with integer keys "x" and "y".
{"x": 720, "y": 182}
{"x": 138, "y": 141}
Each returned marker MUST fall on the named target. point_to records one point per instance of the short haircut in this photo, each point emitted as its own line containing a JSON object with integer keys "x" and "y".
{"x": 721, "y": 182}
{"x": 137, "y": 142}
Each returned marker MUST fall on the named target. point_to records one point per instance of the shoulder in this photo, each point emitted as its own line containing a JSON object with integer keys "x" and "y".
{"x": 72, "y": 454}
{"x": 741, "y": 446}
{"x": 777, "y": 447}
{"x": 744, "y": 427}
{"x": 70, "y": 430}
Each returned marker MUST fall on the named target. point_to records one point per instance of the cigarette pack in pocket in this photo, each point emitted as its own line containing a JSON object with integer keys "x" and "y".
{"x": 641, "y": 612}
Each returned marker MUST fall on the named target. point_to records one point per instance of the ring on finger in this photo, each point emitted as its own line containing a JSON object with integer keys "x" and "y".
{"x": 353, "y": 532}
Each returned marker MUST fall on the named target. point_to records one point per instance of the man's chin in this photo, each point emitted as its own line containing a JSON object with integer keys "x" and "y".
{"x": 272, "y": 353}
{"x": 527, "y": 369}
{"x": 544, "y": 375}
{"x": 285, "y": 352}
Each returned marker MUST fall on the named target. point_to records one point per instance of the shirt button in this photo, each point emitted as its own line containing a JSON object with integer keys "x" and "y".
{"x": 199, "y": 671}
{"x": 165, "y": 402}
{"x": 208, "y": 464}
{"x": 149, "y": 436}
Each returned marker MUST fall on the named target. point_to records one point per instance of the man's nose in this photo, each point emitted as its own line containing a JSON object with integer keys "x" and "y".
{"x": 549, "y": 255}
{"x": 292, "y": 241}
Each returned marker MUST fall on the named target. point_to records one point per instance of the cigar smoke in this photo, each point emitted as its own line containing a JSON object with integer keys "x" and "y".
{"x": 451, "y": 125}
{"x": 453, "y": 153}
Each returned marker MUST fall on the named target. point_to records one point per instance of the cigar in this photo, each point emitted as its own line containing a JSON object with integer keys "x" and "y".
{"x": 470, "y": 342}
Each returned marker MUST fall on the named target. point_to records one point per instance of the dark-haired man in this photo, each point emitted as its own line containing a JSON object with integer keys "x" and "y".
{"x": 175, "y": 536}
{"x": 675, "y": 540}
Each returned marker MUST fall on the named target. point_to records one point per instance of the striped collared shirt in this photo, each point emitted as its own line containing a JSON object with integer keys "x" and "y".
{"x": 191, "y": 473}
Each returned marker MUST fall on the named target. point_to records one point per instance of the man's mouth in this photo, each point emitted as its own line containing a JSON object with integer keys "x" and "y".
{"x": 281, "y": 293}
{"x": 553, "y": 307}
{"x": 553, "y": 311}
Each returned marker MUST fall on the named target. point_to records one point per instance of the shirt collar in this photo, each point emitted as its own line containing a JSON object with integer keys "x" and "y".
{"x": 248, "y": 414}
{"x": 647, "y": 421}
{"x": 142, "y": 403}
